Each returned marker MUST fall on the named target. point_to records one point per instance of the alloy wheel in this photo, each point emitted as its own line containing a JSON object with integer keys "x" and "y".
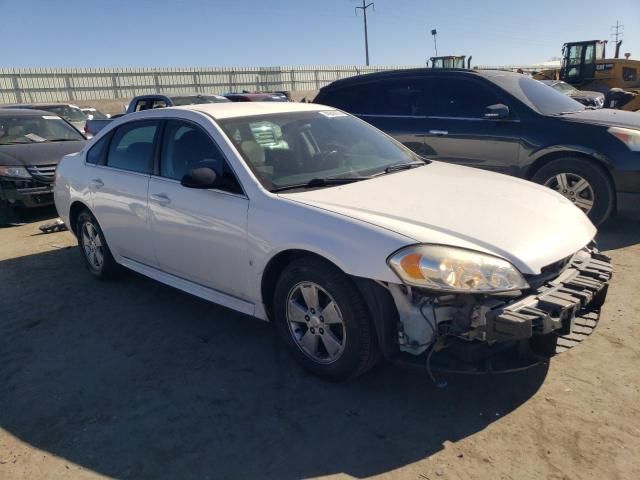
{"x": 574, "y": 187}
{"x": 315, "y": 322}
{"x": 92, "y": 246}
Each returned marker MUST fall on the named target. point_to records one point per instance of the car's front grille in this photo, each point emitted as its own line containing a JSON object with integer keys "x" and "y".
{"x": 548, "y": 273}
{"x": 44, "y": 173}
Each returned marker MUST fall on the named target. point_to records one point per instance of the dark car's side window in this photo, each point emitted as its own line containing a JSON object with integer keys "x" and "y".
{"x": 96, "y": 154}
{"x": 186, "y": 146}
{"x": 461, "y": 98}
{"x": 132, "y": 145}
{"x": 405, "y": 97}
{"x": 356, "y": 99}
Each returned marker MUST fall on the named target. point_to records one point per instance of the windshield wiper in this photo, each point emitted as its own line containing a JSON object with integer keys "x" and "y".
{"x": 404, "y": 166}
{"x": 320, "y": 182}
{"x": 63, "y": 140}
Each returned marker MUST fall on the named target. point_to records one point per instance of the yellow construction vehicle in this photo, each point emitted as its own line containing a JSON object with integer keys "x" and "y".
{"x": 585, "y": 66}
{"x": 451, "y": 61}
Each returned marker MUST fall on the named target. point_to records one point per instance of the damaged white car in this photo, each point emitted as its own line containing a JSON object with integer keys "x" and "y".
{"x": 351, "y": 244}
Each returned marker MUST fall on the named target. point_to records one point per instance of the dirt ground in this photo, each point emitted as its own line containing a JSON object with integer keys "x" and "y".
{"x": 135, "y": 380}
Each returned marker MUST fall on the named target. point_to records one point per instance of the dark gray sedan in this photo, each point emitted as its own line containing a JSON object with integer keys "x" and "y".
{"x": 32, "y": 142}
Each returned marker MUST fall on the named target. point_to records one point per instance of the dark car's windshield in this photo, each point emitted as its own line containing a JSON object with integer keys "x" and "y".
{"x": 197, "y": 99}
{"x": 71, "y": 114}
{"x": 538, "y": 96}
{"x": 35, "y": 129}
{"x": 289, "y": 149}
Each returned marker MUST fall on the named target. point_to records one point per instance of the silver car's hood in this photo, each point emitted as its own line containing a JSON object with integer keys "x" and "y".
{"x": 525, "y": 223}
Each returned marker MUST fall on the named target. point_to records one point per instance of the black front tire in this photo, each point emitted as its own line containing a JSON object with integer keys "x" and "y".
{"x": 604, "y": 193}
{"x": 107, "y": 268}
{"x": 361, "y": 350}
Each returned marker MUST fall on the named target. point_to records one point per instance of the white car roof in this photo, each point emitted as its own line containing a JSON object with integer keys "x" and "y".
{"x": 246, "y": 109}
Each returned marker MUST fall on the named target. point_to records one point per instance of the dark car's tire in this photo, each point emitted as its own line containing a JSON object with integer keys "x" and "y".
{"x": 94, "y": 249}
{"x": 594, "y": 188}
{"x": 323, "y": 319}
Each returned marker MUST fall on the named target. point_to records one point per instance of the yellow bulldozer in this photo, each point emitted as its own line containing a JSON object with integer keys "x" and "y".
{"x": 450, "y": 61}
{"x": 585, "y": 66}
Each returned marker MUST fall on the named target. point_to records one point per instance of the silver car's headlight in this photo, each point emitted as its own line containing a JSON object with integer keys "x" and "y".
{"x": 452, "y": 269}
{"x": 14, "y": 172}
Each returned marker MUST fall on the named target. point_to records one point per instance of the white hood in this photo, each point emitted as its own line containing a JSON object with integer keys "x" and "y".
{"x": 525, "y": 223}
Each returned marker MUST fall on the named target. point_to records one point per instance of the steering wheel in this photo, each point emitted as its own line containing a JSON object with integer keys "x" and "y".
{"x": 330, "y": 150}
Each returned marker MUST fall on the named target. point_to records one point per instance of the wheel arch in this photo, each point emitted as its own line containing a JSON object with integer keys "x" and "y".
{"x": 379, "y": 301}
{"x": 546, "y": 156}
{"x": 76, "y": 208}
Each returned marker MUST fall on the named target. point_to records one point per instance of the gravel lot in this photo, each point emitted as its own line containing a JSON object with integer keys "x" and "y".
{"x": 133, "y": 379}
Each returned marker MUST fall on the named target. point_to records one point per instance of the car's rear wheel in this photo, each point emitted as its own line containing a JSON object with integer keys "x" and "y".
{"x": 322, "y": 318}
{"x": 94, "y": 248}
{"x": 584, "y": 183}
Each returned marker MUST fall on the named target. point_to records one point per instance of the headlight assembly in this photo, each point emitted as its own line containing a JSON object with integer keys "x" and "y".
{"x": 629, "y": 136}
{"x": 14, "y": 172}
{"x": 451, "y": 269}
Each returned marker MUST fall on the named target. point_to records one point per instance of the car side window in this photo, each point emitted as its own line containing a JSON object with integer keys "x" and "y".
{"x": 186, "y": 146}
{"x": 405, "y": 96}
{"x": 97, "y": 153}
{"x": 132, "y": 145}
{"x": 141, "y": 105}
{"x": 355, "y": 99}
{"x": 457, "y": 97}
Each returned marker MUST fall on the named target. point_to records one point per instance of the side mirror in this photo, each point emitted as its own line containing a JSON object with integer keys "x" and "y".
{"x": 497, "y": 111}
{"x": 203, "y": 177}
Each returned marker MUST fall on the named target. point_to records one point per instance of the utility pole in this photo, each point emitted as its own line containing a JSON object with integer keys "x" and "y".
{"x": 366, "y": 36}
{"x": 619, "y": 30}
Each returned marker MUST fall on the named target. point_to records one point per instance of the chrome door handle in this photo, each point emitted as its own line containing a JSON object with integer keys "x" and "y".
{"x": 96, "y": 183}
{"x": 438, "y": 132}
{"x": 160, "y": 198}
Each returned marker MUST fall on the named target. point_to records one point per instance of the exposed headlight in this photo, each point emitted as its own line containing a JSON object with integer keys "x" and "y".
{"x": 14, "y": 172}
{"x": 451, "y": 269}
{"x": 628, "y": 136}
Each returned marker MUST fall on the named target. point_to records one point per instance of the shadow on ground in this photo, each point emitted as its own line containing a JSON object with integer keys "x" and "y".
{"x": 133, "y": 379}
{"x": 620, "y": 231}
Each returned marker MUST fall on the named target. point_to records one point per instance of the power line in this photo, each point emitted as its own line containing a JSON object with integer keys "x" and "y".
{"x": 366, "y": 36}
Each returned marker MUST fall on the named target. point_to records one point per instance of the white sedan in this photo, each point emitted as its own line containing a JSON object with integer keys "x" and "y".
{"x": 350, "y": 243}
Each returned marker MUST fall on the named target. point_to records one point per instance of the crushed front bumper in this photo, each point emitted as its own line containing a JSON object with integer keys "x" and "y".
{"x": 26, "y": 193}
{"x": 553, "y": 307}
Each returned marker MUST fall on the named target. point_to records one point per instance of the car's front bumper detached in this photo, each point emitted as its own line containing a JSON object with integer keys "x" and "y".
{"x": 580, "y": 287}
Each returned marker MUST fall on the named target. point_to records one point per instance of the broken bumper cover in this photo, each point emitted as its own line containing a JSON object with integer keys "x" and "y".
{"x": 553, "y": 307}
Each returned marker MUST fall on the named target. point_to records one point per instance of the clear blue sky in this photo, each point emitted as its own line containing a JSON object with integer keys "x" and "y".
{"x": 104, "y": 33}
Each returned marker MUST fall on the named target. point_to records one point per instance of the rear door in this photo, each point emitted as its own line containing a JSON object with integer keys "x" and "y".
{"x": 393, "y": 106}
{"x": 456, "y": 130}
{"x": 119, "y": 183}
{"x": 198, "y": 234}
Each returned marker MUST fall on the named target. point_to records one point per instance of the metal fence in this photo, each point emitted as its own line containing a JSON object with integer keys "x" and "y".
{"x": 23, "y": 85}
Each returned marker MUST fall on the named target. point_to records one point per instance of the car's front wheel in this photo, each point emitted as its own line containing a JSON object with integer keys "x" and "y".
{"x": 583, "y": 183}
{"x": 94, "y": 248}
{"x": 321, "y": 316}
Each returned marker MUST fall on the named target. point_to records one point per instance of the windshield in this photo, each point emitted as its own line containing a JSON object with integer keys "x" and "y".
{"x": 537, "y": 95}
{"x": 288, "y": 149}
{"x": 197, "y": 99}
{"x": 71, "y": 114}
{"x": 36, "y": 129}
{"x": 95, "y": 115}
{"x": 564, "y": 88}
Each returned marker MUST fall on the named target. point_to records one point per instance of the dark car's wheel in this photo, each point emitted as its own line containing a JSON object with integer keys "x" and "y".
{"x": 323, "y": 319}
{"x": 94, "y": 248}
{"x": 584, "y": 183}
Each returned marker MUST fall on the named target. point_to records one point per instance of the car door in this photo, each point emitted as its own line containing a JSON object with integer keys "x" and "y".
{"x": 393, "y": 106}
{"x": 457, "y": 131}
{"x": 198, "y": 234}
{"x": 119, "y": 182}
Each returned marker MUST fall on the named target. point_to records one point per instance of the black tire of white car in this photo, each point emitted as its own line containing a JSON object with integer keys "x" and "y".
{"x": 105, "y": 269}
{"x": 595, "y": 175}
{"x": 359, "y": 351}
